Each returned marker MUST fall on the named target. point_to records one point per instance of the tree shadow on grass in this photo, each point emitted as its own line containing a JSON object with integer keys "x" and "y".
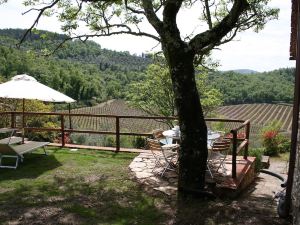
{"x": 254, "y": 210}
{"x": 250, "y": 208}
{"x": 34, "y": 165}
{"x": 75, "y": 201}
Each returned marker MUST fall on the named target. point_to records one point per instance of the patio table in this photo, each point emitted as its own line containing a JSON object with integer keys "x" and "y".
{"x": 171, "y": 134}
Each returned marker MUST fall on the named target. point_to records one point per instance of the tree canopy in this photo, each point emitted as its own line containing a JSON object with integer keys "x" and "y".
{"x": 154, "y": 93}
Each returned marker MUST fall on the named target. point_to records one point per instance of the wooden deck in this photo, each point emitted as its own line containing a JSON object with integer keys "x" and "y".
{"x": 226, "y": 186}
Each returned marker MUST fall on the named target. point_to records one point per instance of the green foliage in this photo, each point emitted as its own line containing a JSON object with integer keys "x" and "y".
{"x": 90, "y": 74}
{"x": 78, "y": 139}
{"x": 284, "y": 143}
{"x": 257, "y": 153}
{"x": 84, "y": 72}
{"x": 39, "y": 121}
{"x": 218, "y": 126}
{"x": 154, "y": 94}
{"x": 44, "y": 135}
{"x": 274, "y": 142}
{"x": 273, "y": 125}
{"x": 266, "y": 87}
{"x": 210, "y": 97}
{"x": 139, "y": 142}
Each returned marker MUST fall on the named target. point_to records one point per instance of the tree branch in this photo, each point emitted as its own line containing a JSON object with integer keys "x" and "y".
{"x": 132, "y": 9}
{"x": 151, "y": 16}
{"x": 42, "y": 10}
{"x": 213, "y": 37}
{"x": 208, "y": 14}
{"x": 170, "y": 11}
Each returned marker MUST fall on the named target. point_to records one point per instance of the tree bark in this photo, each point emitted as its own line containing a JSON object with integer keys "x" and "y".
{"x": 193, "y": 151}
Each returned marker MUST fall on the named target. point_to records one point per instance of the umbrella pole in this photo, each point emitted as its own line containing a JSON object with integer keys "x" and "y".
{"x": 23, "y": 121}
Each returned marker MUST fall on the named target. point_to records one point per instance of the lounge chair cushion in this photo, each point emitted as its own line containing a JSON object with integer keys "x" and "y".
{"x": 28, "y": 147}
{"x": 11, "y": 140}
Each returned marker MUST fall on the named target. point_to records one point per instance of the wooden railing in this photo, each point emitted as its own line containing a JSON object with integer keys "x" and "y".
{"x": 236, "y": 149}
{"x": 63, "y": 130}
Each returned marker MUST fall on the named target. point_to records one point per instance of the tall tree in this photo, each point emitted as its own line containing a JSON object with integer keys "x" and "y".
{"x": 223, "y": 19}
{"x": 155, "y": 96}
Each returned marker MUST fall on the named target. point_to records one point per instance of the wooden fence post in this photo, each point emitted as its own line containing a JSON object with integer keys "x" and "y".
{"x": 234, "y": 149}
{"x": 117, "y": 134}
{"x": 62, "y": 127}
{"x": 247, "y": 137}
{"x": 13, "y": 120}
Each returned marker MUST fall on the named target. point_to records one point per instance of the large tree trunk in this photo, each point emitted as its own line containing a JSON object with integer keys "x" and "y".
{"x": 193, "y": 151}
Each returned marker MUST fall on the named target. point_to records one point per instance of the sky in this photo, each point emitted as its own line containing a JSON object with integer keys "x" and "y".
{"x": 263, "y": 51}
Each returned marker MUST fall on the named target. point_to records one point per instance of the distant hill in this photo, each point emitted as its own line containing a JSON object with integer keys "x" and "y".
{"x": 84, "y": 71}
{"x": 91, "y": 74}
{"x": 84, "y": 52}
{"x": 267, "y": 87}
{"x": 243, "y": 71}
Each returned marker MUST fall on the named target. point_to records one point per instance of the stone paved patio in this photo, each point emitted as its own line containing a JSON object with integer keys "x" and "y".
{"x": 142, "y": 169}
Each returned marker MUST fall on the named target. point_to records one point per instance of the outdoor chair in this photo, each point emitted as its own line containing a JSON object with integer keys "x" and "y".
{"x": 217, "y": 154}
{"x": 165, "y": 156}
{"x": 11, "y": 139}
{"x": 158, "y": 135}
{"x": 170, "y": 153}
{"x": 17, "y": 151}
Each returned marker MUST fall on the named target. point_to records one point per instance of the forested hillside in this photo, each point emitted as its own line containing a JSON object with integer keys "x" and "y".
{"x": 267, "y": 87}
{"x": 90, "y": 74}
{"x": 83, "y": 71}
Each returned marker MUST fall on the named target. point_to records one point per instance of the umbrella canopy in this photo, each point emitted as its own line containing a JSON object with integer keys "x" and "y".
{"x": 26, "y": 87}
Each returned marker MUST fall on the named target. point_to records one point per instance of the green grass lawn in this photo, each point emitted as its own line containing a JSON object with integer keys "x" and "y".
{"x": 83, "y": 187}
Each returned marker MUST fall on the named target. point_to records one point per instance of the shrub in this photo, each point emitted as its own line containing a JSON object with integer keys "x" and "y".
{"x": 139, "y": 142}
{"x": 257, "y": 153}
{"x": 284, "y": 144}
{"x": 270, "y": 142}
{"x": 44, "y": 135}
{"x": 274, "y": 142}
{"x": 79, "y": 139}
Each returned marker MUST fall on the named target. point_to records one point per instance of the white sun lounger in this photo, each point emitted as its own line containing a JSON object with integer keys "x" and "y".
{"x": 17, "y": 151}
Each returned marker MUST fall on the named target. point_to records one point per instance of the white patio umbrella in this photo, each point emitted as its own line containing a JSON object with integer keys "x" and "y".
{"x": 26, "y": 87}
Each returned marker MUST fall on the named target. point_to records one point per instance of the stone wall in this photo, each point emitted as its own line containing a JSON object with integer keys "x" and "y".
{"x": 296, "y": 190}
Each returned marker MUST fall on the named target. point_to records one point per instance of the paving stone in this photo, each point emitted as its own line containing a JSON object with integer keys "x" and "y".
{"x": 138, "y": 159}
{"x": 169, "y": 190}
{"x": 173, "y": 180}
{"x": 138, "y": 164}
{"x": 148, "y": 170}
{"x": 140, "y": 175}
{"x": 136, "y": 169}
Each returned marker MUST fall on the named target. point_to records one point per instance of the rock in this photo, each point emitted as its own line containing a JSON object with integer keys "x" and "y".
{"x": 169, "y": 190}
{"x": 141, "y": 175}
